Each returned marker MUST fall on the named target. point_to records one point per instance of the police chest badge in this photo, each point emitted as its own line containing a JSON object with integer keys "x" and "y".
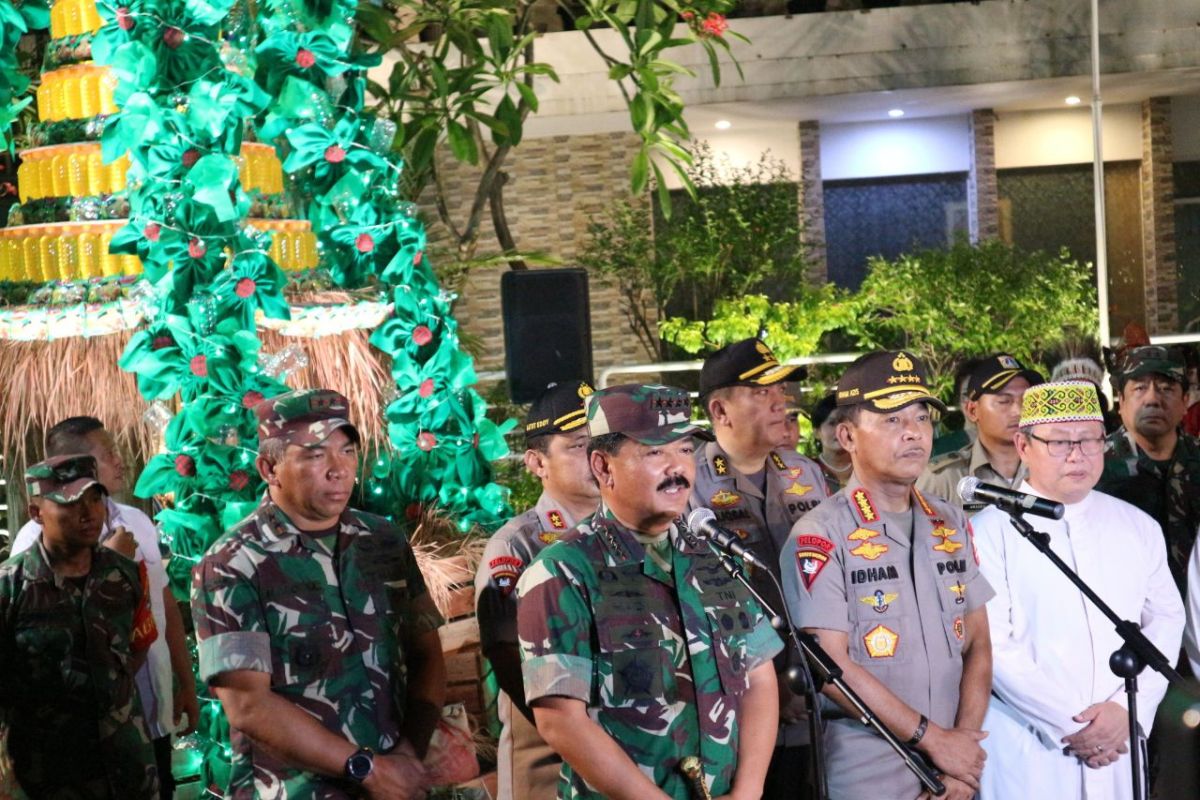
{"x": 881, "y": 642}
{"x": 547, "y": 537}
{"x": 880, "y": 601}
{"x": 812, "y": 554}
{"x": 946, "y": 538}
{"x": 724, "y": 499}
{"x": 866, "y": 549}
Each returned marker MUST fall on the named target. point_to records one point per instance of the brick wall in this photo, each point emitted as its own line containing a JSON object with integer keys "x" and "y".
{"x": 1158, "y": 217}
{"x": 983, "y": 198}
{"x": 812, "y": 201}
{"x": 556, "y": 185}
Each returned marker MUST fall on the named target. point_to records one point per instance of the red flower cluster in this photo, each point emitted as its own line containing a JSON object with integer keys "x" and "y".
{"x": 714, "y": 25}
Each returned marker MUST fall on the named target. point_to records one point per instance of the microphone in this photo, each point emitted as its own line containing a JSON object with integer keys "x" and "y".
{"x": 971, "y": 489}
{"x": 703, "y": 523}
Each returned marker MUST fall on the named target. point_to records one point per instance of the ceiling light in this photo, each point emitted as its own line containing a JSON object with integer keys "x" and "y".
{"x": 1073, "y": 100}
{"x": 896, "y": 112}
{"x": 723, "y": 124}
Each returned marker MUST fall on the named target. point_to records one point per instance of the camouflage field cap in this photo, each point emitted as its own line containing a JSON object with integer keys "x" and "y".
{"x": 995, "y": 372}
{"x": 62, "y": 479}
{"x": 886, "y": 381}
{"x": 559, "y": 409}
{"x": 746, "y": 363}
{"x": 646, "y": 413}
{"x": 1152, "y": 359}
{"x": 305, "y": 417}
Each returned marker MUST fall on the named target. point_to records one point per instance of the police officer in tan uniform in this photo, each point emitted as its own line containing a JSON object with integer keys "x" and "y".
{"x": 888, "y": 580}
{"x": 993, "y": 405}
{"x": 759, "y": 490}
{"x": 556, "y": 439}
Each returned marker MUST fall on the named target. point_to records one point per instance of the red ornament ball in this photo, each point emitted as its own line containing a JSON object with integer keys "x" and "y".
{"x": 412, "y": 510}
{"x": 422, "y": 336}
{"x": 124, "y": 19}
{"x": 426, "y": 388}
{"x": 152, "y": 231}
{"x": 251, "y": 398}
{"x": 161, "y": 342}
{"x": 239, "y": 479}
{"x": 305, "y": 58}
{"x": 426, "y": 441}
{"x": 245, "y": 288}
{"x": 364, "y": 243}
{"x": 199, "y": 366}
{"x": 185, "y": 466}
{"x": 417, "y": 258}
{"x": 334, "y": 154}
{"x": 197, "y": 248}
{"x": 190, "y": 157}
{"x": 173, "y": 37}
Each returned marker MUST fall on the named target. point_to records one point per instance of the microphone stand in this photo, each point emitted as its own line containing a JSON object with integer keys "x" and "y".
{"x": 1127, "y": 662}
{"x": 829, "y": 672}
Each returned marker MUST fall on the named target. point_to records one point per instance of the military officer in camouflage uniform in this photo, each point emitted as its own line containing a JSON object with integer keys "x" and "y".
{"x": 888, "y": 581}
{"x": 70, "y": 643}
{"x": 1150, "y": 462}
{"x": 315, "y": 629}
{"x": 637, "y": 648}
{"x": 556, "y": 443}
{"x": 993, "y": 405}
{"x": 758, "y": 490}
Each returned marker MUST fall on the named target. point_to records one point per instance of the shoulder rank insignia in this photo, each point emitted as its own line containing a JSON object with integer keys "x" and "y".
{"x": 862, "y": 504}
{"x": 547, "y": 537}
{"x": 812, "y": 554}
{"x": 724, "y": 499}
{"x": 869, "y": 550}
{"x": 556, "y": 520}
{"x": 881, "y": 642}
{"x": 946, "y": 536}
{"x": 777, "y": 460}
{"x": 880, "y": 601}
{"x": 720, "y": 465}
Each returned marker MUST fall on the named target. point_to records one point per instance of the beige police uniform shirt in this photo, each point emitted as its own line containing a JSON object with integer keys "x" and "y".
{"x": 794, "y": 486}
{"x": 941, "y": 477}
{"x": 527, "y": 768}
{"x": 902, "y": 604}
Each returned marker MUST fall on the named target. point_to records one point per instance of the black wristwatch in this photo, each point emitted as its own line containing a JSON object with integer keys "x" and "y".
{"x": 359, "y": 765}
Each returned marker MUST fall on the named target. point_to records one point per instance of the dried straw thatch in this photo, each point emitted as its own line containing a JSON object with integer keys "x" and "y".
{"x": 348, "y": 363}
{"x": 45, "y": 382}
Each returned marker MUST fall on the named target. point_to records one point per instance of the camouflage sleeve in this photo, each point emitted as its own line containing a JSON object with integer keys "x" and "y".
{"x": 762, "y": 643}
{"x": 814, "y": 585}
{"x": 979, "y": 591}
{"x": 495, "y": 587}
{"x": 230, "y": 627}
{"x": 554, "y": 624}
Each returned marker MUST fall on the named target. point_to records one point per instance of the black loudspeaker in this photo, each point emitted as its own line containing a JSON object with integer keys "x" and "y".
{"x": 547, "y": 329}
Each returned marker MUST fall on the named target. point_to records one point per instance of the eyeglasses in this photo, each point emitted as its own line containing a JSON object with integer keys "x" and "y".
{"x": 1060, "y": 448}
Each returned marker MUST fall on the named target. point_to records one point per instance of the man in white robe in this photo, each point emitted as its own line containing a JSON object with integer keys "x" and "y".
{"x": 1058, "y": 718}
